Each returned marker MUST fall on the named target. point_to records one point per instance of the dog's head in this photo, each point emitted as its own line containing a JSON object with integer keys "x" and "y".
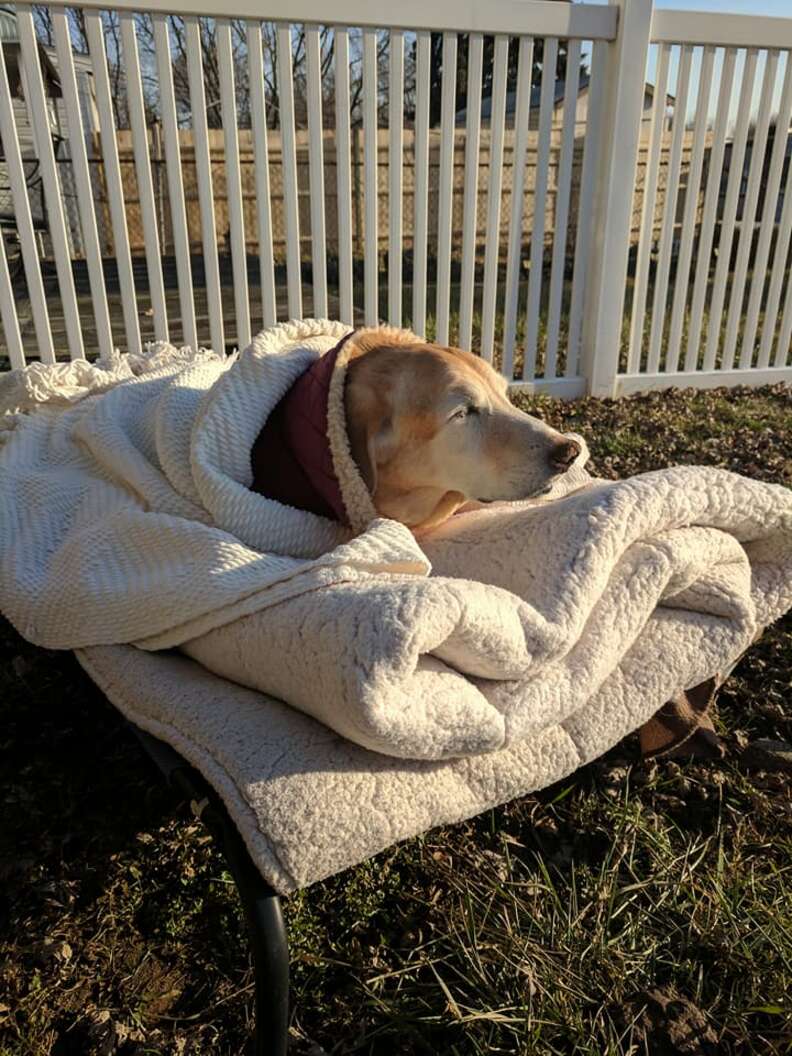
{"x": 431, "y": 428}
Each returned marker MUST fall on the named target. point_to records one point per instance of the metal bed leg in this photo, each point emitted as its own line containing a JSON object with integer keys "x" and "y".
{"x": 261, "y": 903}
{"x": 266, "y": 930}
{"x": 271, "y": 959}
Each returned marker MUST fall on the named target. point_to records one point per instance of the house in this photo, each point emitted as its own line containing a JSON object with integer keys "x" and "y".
{"x": 581, "y": 108}
{"x": 786, "y": 166}
{"x": 48, "y": 59}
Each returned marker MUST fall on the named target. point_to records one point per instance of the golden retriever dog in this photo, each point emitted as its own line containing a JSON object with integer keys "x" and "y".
{"x": 432, "y": 428}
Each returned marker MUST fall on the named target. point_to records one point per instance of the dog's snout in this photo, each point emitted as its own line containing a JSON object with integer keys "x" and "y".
{"x": 564, "y": 454}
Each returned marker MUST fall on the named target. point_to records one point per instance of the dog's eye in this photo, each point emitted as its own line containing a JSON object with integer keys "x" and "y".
{"x": 463, "y": 412}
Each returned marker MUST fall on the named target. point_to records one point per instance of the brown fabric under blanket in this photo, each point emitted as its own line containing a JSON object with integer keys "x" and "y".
{"x": 683, "y": 726}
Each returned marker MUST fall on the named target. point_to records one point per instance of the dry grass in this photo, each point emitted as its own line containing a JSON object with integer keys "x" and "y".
{"x": 558, "y": 924}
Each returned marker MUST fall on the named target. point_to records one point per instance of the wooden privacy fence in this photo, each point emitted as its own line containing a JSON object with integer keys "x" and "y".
{"x": 248, "y": 188}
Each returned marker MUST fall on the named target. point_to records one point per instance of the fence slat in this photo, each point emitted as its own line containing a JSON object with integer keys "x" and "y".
{"x": 316, "y": 171}
{"x": 421, "y": 202}
{"x": 546, "y": 101}
{"x": 470, "y": 212}
{"x": 236, "y": 218}
{"x": 203, "y": 168}
{"x": 289, "y": 167}
{"x": 646, "y": 236}
{"x": 8, "y": 313}
{"x": 370, "y": 151}
{"x": 148, "y": 209}
{"x": 24, "y": 222}
{"x": 681, "y": 282}
{"x": 446, "y": 187}
{"x": 343, "y": 176}
{"x": 777, "y": 274}
{"x": 112, "y": 173}
{"x": 767, "y": 224}
{"x": 784, "y": 345}
{"x": 711, "y": 199}
{"x": 57, "y": 222}
{"x": 585, "y": 227}
{"x": 571, "y": 82}
{"x": 669, "y": 212}
{"x": 495, "y": 178}
{"x": 395, "y": 148}
{"x": 258, "y": 120}
{"x": 176, "y": 199}
{"x": 517, "y": 209}
{"x": 82, "y": 176}
{"x": 750, "y": 201}
{"x": 730, "y": 209}
{"x": 648, "y": 210}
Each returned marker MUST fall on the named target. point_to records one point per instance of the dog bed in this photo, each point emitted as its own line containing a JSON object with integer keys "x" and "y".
{"x": 511, "y": 646}
{"x": 309, "y": 803}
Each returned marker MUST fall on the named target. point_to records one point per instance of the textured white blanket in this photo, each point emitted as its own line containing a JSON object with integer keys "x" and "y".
{"x": 127, "y": 519}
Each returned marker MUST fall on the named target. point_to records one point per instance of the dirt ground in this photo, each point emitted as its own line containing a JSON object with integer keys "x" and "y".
{"x": 630, "y": 909}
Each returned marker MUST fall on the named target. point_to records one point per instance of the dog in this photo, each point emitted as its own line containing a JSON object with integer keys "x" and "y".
{"x": 432, "y": 428}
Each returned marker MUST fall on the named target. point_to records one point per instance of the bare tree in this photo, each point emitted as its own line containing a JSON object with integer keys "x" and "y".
{"x": 45, "y": 30}
{"x": 177, "y": 34}
{"x": 42, "y": 20}
{"x": 436, "y": 69}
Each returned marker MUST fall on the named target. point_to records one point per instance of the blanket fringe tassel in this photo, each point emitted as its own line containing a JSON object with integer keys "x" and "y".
{"x": 61, "y": 384}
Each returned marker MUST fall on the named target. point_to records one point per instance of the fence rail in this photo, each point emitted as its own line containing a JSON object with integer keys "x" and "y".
{"x": 597, "y": 198}
{"x": 515, "y": 17}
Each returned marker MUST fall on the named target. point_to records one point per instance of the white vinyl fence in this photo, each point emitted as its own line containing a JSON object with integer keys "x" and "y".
{"x": 568, "y": 304}
{"x": 720, "y": 310}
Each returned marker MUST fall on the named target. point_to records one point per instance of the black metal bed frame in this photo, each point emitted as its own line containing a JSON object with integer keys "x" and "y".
{"x": 261, "y": 903}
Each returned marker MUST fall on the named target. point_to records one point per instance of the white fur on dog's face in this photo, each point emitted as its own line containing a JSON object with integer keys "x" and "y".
{"x": 432, "y": 428}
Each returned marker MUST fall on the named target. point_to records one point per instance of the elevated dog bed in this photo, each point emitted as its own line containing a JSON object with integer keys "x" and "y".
{"x": 509, "y": 648}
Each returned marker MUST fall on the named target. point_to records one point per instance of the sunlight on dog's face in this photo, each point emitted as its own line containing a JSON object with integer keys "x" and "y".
{"x": 432, "y": 428}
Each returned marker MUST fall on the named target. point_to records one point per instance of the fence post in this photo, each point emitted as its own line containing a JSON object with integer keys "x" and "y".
{"x": 622, "y": 107}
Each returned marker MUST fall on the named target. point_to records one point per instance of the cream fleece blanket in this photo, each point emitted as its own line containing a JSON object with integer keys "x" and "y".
{"x": 309, "y": 803}
{"x": 127, "y": 519}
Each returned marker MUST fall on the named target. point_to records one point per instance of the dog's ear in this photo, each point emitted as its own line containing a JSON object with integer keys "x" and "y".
{"x": 372, "y": 443}
{"x": 363, "y": 456}
{"x": 369, "y": 400}
{"x": 369, "y": 419}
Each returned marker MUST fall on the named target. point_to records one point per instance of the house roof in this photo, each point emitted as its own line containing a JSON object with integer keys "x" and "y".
{"x": 8, "y": 26}
{"x": 9, "y": 41}
{"x": 536, "y": 93}
{"x": 650, "y": 90}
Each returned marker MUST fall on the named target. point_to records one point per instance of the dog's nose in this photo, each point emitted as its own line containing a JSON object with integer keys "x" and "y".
{"x": 564, "y": 454}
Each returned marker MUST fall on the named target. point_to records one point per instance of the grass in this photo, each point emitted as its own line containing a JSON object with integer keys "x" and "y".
{"x": 631, "y": 909}
{"x": 778, "y": 356}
